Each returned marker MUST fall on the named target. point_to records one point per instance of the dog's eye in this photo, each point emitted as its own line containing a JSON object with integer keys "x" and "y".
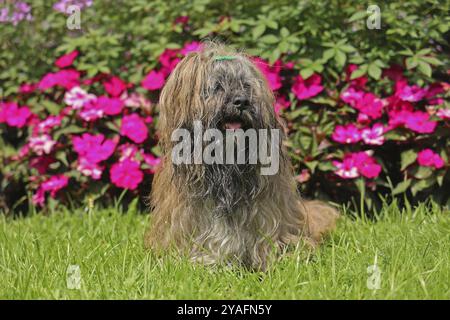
{"x": 246, "y": 85}
{"x": 217, "y": 87}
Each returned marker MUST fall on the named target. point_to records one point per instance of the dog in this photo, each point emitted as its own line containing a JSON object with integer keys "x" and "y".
{"x": 226, "y": 213}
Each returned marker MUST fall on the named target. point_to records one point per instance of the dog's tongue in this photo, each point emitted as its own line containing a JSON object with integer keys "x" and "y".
{"x": 233, "y": 125}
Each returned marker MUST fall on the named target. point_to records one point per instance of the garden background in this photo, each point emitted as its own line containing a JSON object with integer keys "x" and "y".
{"x": 367, "y": 109}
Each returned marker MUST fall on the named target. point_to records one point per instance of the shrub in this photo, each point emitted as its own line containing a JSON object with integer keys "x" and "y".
{"x": 367, "y": 110}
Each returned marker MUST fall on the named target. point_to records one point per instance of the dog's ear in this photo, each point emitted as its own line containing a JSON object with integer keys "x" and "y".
{"x": 180, "y": 101}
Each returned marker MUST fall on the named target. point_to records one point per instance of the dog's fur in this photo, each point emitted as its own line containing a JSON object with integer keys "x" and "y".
{"x": 226, "y": 213}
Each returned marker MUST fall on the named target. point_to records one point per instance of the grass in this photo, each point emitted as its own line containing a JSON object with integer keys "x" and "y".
{"x": 412, "y": 250}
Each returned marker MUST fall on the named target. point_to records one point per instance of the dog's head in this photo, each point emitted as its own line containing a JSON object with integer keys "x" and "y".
{"x": 224, "y": 90}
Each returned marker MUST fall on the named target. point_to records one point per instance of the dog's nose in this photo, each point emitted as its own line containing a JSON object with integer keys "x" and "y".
{"x": 240, "y": 102}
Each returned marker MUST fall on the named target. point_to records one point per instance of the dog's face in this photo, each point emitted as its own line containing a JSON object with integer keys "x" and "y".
{"x": 234, "y": 96}
{"x": 224, "y": 94}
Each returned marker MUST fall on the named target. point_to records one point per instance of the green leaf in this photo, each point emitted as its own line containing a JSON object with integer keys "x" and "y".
{"x": 420, "y": 185}
{"x": 51, "y": 107}
{"x": 423, "y": 172}
{"x": 358, "y": 16}
{"x": 401, "y": 187}
{"x": 407, "y": 158}
{"x": 306, "y": 73}
{"x": 258, "y": 31}
{"x": 374, "y": 71}
{"x": 269, "y": 39}
{"x": 340, "y": 58}
{"x": 425, "y": 68}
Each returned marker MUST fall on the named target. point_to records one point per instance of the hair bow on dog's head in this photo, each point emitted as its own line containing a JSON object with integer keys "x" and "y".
{"x": 221, "y": 58}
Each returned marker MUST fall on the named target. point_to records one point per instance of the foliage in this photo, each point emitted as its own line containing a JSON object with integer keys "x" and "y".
{"x": 367, "y": 109}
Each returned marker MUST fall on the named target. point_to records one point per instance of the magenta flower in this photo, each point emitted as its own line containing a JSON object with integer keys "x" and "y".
{"x": 66, "y": 60}
{"x": 169, "y": 59}
{"x": 193, "y": 46}
{"x": 114, "y": 86}
{"x": 428, "y": 158}
{"x": 346, "y": 169}
{"x": 110, "y": 106}
{"x": 351, "y": 96}
{"x": 89, "y": 169}
{"x": 126, "y": 174}
{"x": 77, "y": 97}
{"x": 394, "y": 73}
{"x": 128, "y": 151}
{"x": 94, "y": 148}
{"x": 153, "y": 81}
{"x": 13, "y": 115}
{"x": 419, "y": 122}
{"x": 356, "y": 164}
{"x": 42, "y": 144}
{"x": 370, "y": 105}
{"x": 27, "y": 87}
{"x": 281, "y": 103}
{"x": 91, "y": 112}
{"x": 46, "y": 125}
{"x": 134, "y": 128}
{"x": 65, "y": 78}
{"x": 272, "y": 74}
{"x": 443, "y": 114}
{"x": 151, "y": 161}
{"x": 52, "y": 185}
{"x": 41, "y": 163}
{"x": 346, "y": 134}
{"x": 374, "y": 135}
{"x": 305, "y": 89}
{"x": 409, "y": 93}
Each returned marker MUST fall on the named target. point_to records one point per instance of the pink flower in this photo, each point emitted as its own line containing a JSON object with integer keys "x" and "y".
{"x": 110, "y": 106}
{"x": 346, "y": 169}
{"x": 281, "y": 103}
{"x": 42, "y": 144}
{"x": 134, "y": 128}
{"x": 346, "y": 134}
{"x": 428, "y": 158}
{"x": 126, "y": 174}
{"x": 94, "y": 148}
{"x": 305, "y": 89}
{"x": 41, "y": 163}
{"x": 66, "y": 60}
{"x": 419, "y": 122}
{"x": 193, "y": 46}
{"x": 409, "y": 93}
{"x": 153, "y": 81}
{"x": 114, "y": 86}
{"x": 151, "y": 161}
{"x": 66, "y": 78}
{"x": 77, "y": 97}
{"x": 272, "y": 74}
{"x": 13, "y": 115}
{"x": 46, "y": 125}
{"x": 394, "y": 72}
{"x": 374, "y": 135}
{"x": 366, "y": 165}
{"x": 27, "y": 87}
{"x": 91, "y": 112}
{"x": 52, "y": 185}
{"x": 182, "y": 20}
{"x": 128, "y": 151}
{"x": 443, "y": 114}
{"x": 356, "y": 164}
{"x": 89, "y": 169}
{"x": 351, "y": 96}
{"x": 370, "y": 105}
{"x": 169, "y": 59}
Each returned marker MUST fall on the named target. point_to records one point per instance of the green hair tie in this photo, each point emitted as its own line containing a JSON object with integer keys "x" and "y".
{"x": 221, "y": 58}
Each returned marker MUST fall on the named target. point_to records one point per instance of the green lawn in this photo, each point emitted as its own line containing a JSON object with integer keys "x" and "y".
{"x": 412, "y": 250}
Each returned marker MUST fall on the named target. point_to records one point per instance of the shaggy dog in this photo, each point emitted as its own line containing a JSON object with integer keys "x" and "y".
{"x": 226, "y": 212}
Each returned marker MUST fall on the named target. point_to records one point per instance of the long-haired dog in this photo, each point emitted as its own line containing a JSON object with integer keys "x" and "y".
{"x": 226, "y": 212}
